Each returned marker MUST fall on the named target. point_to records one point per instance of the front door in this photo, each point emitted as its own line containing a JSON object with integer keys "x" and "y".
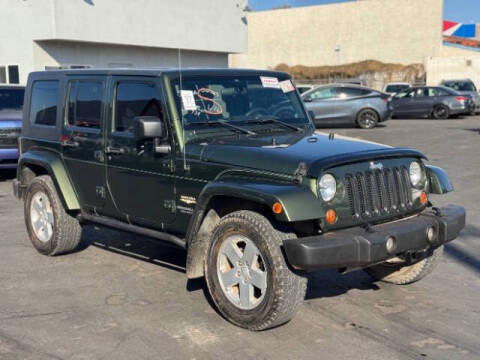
{"x": 323, "y": 104}
{"x": 141, "y": 182}
{"x": 402, "y": 102}
{"x": 83, "y": 140}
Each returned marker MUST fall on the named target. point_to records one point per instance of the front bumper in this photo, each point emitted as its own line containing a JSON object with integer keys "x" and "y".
{"x": 359, "y": 248}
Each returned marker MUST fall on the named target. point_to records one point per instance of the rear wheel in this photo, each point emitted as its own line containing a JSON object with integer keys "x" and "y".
{"x": 367, "y": 119}
{"x": 397, "y": 271}
{"x": 51, "y": 229}
{"x": 247, "y": 276}
{"x": 441, "y": 112}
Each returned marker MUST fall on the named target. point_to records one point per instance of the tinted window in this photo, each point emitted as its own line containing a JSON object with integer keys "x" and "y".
{"x": 13, "y": 74}
{"x": 85, "y": 104}
{"x": 11, "y": 99}
{"x": 431, "y": 92}
{"x": 323, "y": 93}
{"x": 406, "y": 94}
{"x": 3, "y": 75}
{"x": 461, "y": 85}
{"x": 395, "y": 88}
{"x": 345, "y": 92}
{"x": 43, "y": 107}
{"x": 135, "y": 99}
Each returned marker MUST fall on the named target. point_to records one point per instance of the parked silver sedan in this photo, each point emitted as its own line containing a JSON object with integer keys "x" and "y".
{"x": 347, "y": 104}
{"x": 438, "y": 102}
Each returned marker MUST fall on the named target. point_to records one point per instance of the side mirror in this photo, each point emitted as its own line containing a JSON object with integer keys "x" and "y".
{"x": 151, "y": 128}
{"x": 148, "y": 128}
{"x": 307, "y": 99}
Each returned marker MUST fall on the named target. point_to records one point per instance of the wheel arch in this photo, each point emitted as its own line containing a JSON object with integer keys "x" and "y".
{"x": 43, "y": 162}
{"x": 220, "y": 199}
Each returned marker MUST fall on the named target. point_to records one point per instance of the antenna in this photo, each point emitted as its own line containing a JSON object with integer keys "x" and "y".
{"x": 185, "y": 167}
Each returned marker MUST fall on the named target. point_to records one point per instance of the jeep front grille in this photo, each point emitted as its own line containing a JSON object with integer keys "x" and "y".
{"x": 378, "y": 193}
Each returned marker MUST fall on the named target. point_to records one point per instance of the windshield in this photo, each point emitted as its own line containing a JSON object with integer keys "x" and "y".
{"x": 462, "y": 86}
{"x": 238, "y": 100}
{"x": 11, "y": 99}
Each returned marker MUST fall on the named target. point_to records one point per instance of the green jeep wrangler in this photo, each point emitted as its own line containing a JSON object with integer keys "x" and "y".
{"x": 227, "y": 165}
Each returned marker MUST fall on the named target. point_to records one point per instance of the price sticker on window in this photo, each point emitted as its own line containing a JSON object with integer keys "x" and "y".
{"x": 188, "y": 100}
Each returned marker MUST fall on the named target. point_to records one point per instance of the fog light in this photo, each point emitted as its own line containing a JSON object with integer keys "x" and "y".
{"x": 391, "y": 245}
{"x": 431, "y": 234}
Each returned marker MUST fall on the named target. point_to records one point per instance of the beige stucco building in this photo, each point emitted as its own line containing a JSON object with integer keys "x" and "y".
{"x": 391, "y": 31}
{"x": 42, "y": 34}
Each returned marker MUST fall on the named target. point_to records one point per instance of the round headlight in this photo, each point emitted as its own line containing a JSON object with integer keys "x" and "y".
{"x": 327, "y": 187}
{"x": 415, "y": 173}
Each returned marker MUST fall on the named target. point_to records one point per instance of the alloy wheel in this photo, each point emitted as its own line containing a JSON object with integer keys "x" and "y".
{"x": 241, "y": 272}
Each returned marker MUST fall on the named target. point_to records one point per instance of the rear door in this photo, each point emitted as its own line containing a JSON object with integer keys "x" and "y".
{"x": 83, "y": 138}
{"x": 141, "y": 181}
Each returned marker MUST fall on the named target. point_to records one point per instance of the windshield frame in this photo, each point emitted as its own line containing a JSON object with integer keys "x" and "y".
{"x": 205, "y": 132}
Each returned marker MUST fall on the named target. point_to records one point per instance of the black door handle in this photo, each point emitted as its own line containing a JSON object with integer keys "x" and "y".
{"x": 114, "y": 151}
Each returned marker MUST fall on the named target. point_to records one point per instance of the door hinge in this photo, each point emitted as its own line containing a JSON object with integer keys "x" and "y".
{"x": 100, "y": 192}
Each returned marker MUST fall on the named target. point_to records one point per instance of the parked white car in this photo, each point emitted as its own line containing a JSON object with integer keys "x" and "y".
{"x": 395, "y": 87}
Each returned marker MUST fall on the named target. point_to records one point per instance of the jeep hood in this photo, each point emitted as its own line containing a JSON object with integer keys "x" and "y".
{"x": 284, "y": 153}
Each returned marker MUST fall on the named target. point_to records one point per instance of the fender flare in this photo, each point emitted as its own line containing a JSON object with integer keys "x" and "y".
{"x": 54, "y": 166}
{"x": 438, "y": 180}
{"x": 297, "y": 200}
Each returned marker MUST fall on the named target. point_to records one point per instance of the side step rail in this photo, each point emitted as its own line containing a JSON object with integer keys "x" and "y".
{"x": 120, "y": 225}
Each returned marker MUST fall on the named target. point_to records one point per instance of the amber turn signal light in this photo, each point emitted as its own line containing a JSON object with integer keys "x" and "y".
{"x": 277, "y": 208}
{"x": 423, "y": 198}
{"x": 331, "y": 216}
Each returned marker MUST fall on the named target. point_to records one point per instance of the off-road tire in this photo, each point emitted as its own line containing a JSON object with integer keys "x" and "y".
{"x": 438, "y": 114}
{"x": 285, "y": 288}
{"x": 404, "y": 275}
{"x": 67, "y": 231}
{"x": 367, "y": 119}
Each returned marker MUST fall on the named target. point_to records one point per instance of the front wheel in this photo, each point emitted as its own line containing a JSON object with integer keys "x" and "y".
{"x": 397, "y": 271}
{"x": 367, "y": 119}
{"x": 246, "y": 273}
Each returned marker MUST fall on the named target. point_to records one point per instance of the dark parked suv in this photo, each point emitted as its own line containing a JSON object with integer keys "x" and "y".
{"x": 11, "y": 102}
{"x": 227, "y": 165}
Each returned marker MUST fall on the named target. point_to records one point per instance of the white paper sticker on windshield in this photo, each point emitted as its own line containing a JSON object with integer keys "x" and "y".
{"x": 269, "y": 82}
{"x": 287, "y": 86}
{"x": 188, "y": 100}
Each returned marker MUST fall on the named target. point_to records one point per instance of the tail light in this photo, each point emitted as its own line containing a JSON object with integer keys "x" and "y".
{"x": 386, "y": 99}
{"x": 461, "y": 98}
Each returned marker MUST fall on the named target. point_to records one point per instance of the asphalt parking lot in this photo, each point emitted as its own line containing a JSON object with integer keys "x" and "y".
{"x": 121, "y": 297}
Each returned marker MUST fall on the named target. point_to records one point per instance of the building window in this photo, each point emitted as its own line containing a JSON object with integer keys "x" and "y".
{"x": 85, "y": 104}
{"x": 3, "y": 75}
{"x": 135, "y": 99}
{"x": 43, "y": 106}
{"x": 13, "y": 74}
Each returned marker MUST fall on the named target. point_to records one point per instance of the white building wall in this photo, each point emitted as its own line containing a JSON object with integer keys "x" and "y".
{"x": 456, "y": 67}
{"x": 56, "y": 53}
{"x": 144, "y": 33}
{"x": 393, "y": 31}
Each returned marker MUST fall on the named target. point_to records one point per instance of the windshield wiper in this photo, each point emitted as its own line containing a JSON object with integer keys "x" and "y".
{"x": 272, "y": 119}
{"x": 226, "y": 124}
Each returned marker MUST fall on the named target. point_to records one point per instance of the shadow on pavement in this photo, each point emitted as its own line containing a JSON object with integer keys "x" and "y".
{"x": 7, "y": 174}
{"x": 460, "y": 254}
{"x": 133, "y": 246}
